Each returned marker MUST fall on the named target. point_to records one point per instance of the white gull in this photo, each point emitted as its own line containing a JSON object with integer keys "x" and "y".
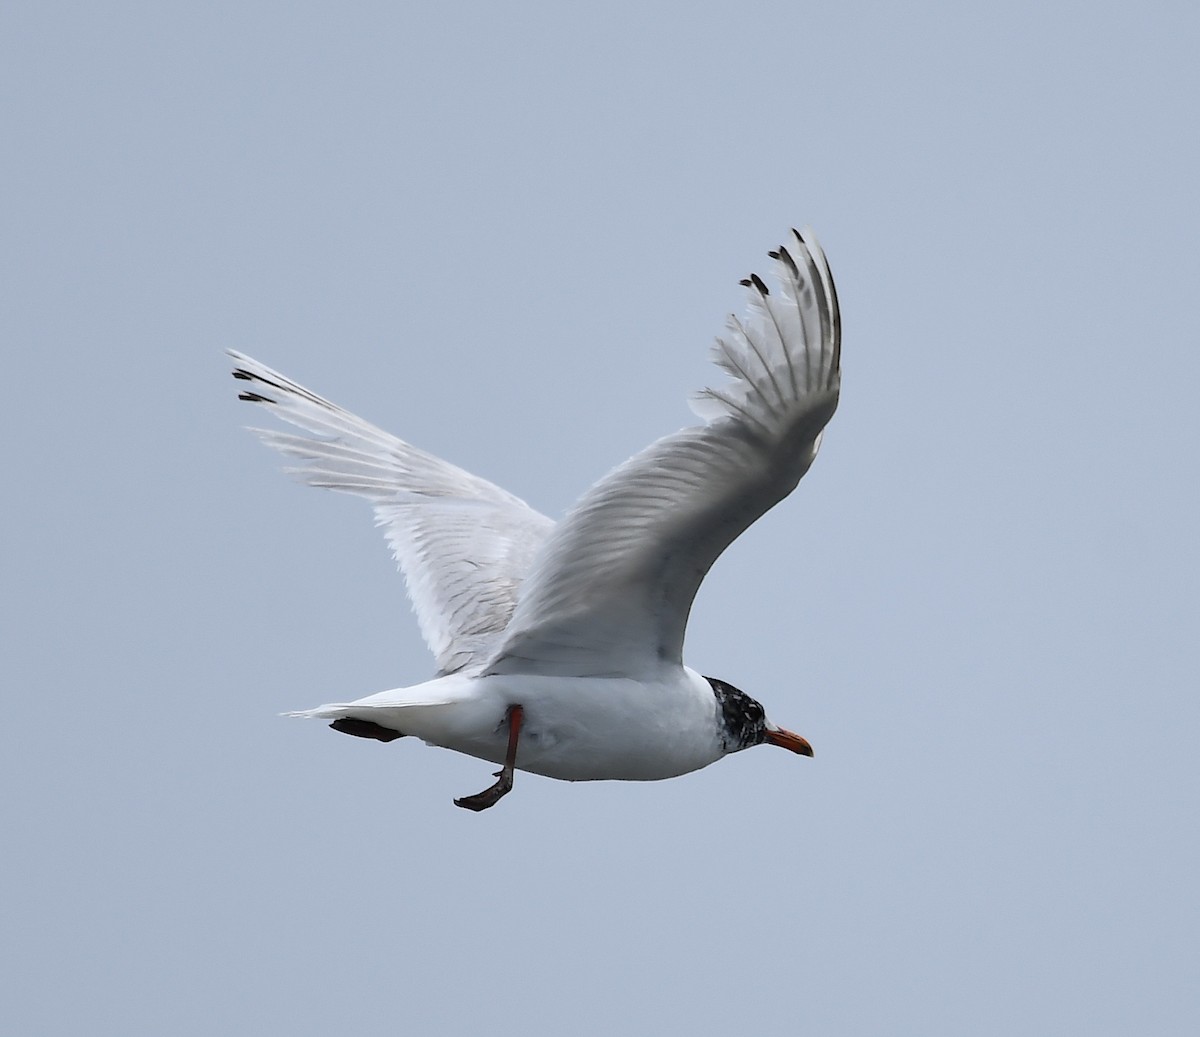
{"x": 560, "y": 647}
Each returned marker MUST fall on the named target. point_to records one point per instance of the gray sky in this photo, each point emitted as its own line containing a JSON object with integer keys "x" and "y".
{"x": 508, "y": 234}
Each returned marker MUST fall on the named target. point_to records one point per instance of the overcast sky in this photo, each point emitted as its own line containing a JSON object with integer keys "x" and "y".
{"x": 508, "y": 233}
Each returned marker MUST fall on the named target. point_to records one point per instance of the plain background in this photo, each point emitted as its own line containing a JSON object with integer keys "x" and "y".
{"x": 508, "y": 232}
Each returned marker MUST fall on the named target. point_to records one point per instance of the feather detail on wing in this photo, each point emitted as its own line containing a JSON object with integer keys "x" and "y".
{"x": 463, "y": 544}
{"x": 614, "y": 583}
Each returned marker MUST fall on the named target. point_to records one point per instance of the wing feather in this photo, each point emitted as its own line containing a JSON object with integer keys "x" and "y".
{"x": 614, "y": 583}
{"x": 463, "y": 543}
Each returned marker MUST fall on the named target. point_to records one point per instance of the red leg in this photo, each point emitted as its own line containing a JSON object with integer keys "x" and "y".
{"x": 491, "y": 796}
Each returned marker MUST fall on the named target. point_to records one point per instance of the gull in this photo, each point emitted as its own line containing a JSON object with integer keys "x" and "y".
{"x": 559, "y": 647}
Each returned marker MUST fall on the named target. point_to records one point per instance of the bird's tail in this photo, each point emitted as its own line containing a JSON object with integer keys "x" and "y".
{"x": 386, "y": 716}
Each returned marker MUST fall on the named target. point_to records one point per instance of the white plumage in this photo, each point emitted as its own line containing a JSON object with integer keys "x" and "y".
{"x": 571, "y": 636}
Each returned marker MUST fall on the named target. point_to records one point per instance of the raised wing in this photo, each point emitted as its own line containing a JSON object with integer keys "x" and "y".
{"x": 612, "y": 589}
{"x": 463, "y": 544}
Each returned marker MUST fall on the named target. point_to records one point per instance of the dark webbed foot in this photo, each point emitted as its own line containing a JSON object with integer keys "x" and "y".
{"x": 365, "y": 729}
{"x": 491, "y": 796}
{"x": 488, "y": 797}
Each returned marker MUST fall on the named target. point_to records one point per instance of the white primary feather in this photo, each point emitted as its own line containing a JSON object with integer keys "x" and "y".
{"x": 463, "y": 544}
{"x": 614, "y": 583}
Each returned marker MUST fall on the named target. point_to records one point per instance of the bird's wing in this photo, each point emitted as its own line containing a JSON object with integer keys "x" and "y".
{"x": 463, "y": 544}
{"x": 611, "y": 591}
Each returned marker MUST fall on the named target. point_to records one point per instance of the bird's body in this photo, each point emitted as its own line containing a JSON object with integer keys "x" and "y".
{"x": 560, "y": 646}
{"x": 575, "y": 729}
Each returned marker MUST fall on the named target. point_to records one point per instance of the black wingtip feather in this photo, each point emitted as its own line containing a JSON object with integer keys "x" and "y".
{"x": 754, "y": 281}
{"x": 784, "y": 256}
{"x": 242, "y": 374}
{"x": 253, "y": 397}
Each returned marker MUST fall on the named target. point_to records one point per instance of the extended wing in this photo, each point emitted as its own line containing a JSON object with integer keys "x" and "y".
{"x": 463, "y": 544}
{"x": 613, "y": 586}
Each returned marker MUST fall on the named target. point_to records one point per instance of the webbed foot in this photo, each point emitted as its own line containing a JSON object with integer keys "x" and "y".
{"x": 491, "y": 796}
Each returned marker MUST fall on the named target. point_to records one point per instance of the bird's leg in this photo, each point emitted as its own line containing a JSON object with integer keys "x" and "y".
{"x": 490, "y": 797}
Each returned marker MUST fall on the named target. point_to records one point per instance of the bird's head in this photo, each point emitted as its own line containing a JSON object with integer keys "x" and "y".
{"x": 742, "y": 722}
